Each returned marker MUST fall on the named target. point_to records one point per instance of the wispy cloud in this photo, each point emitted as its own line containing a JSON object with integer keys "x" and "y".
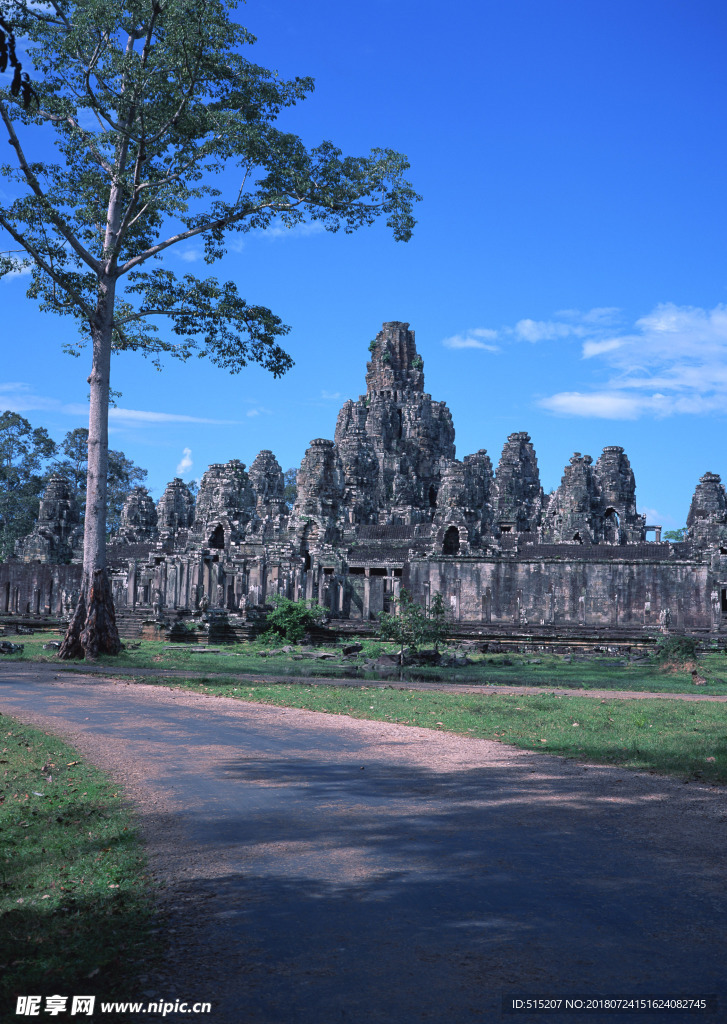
{"x": 150, "y": 416}
{"x": 191, "y": 255}
{"x": 569, "y": 323}
{"x": 331, "y": 396}
{"x": 303, "y": 230}
{"x": 185, "y": 463}
{"x": 672, "y": 361}
{"x": 476, "y": 337}
{"x": 600, "y": 405}
{"x": 545, "y": 330}
{"x": 18, "y": 396}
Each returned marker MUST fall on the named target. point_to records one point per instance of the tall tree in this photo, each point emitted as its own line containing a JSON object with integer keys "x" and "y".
{"x": 152, "y": 108}
{"x": 24, "y": 453}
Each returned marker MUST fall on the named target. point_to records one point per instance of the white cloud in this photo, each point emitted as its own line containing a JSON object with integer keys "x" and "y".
{"x": 253, "y": 412}
{"x": 191, "y": 255}
{"x": 572, "y": 323}
{"x": 473, "y": 339}
{"x": 279, "y": 230}
{"x": 597, "y": 348}
{"x": 673, "y": 361}
{"x": 17, "y": 396}
{"x": 602, "y": 405}
{"x": 544, "y": 330}
{"x": 185, "y": 463}
{"x": 331, "y": 396}
{"x": 149, "y": 416}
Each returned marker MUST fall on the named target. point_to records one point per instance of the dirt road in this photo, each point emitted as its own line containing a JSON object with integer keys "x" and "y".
{"x": 319, "y": 869}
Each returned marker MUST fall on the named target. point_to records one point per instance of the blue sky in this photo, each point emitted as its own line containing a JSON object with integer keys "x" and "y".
{"x": 567, "y": 276}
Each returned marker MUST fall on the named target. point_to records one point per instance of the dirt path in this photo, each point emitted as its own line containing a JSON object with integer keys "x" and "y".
{"x": 320, "y": 869}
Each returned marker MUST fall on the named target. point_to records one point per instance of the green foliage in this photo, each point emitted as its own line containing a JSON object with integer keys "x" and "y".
{"x": 417, "y": 363}
{"x": 386, "y": 358}
{"x": 290, "y": 479}
{"x": 413, "y": 627}
{"x": 148, "y": 103}
{"x": 676, "y": 649}
{"x": 372, "y": 345}
{"x": 291, "y": 620}
{"x": 24, "y": 454}
{"x": 123, "y": 474}
{"x": 676, "y": 536}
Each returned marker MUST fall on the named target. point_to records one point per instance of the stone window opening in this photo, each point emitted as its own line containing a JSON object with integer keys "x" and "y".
{"x": 506, "y": 529}
{"x": 432, "y": 496}
{"x": 450, "y": 544}
{"x": 577, "y": 539}
{"x": 217, "y": 540}
{"x": 611, "y": 526}
{"x": 724, "y": 600}
{"x": 306, "y": 560}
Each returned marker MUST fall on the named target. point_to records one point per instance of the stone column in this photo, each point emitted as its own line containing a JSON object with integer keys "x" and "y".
{"x": 366, "y": 614}
{"x": 131, "y": 585}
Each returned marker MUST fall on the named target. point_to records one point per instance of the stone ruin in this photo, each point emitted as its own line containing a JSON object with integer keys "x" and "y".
{"x": 387, "y": 504}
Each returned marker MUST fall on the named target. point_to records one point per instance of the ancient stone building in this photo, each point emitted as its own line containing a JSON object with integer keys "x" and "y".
{"x": 387, "y": 504}
{"x": 57, "y": 535}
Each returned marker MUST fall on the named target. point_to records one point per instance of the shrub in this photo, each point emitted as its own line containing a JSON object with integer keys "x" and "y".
{"x": 291, "y": 620}
{"x": 676, "y": 649}
{"x": 413, "y": 627}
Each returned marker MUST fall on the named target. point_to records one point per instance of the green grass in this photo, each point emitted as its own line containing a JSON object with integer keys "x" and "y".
{"x": 673, "y": 737}
{"x": 75, "y": 902}
{"x": 502, "y": 670}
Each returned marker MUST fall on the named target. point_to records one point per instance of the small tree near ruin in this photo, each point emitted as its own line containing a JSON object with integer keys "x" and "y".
{"x": 153, "y": 109}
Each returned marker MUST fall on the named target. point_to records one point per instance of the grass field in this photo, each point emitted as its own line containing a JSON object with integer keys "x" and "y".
{"x": 540, "y": 669}
{"x": 75, "y": 902}
{"x": 681, "y": 738}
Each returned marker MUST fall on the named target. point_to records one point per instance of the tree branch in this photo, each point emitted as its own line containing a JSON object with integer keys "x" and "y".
{"x": 44, "y": 266}
{"x": 35, "y": 185}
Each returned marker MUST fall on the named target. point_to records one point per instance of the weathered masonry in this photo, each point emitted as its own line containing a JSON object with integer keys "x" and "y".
{"x": 386, "y": 504}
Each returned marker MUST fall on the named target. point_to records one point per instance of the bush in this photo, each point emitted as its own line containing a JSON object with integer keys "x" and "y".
{"x": 676, "y": 649}
{"x": 413, "y": 627}
{"x": 291, "y": 620}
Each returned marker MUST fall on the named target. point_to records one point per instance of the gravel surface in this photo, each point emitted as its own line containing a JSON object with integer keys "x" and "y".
{"x": 319, "y": 869}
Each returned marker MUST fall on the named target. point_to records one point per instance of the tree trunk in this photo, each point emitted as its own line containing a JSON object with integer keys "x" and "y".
{"x": 92, "y": 630}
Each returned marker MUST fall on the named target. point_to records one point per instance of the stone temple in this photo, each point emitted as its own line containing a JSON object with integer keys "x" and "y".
{"x": 386, "y": 504}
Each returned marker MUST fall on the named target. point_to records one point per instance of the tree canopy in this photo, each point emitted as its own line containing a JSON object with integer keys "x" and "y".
{"x": 28, "y": 456}
{"x": 24, "y": 454}
{"x": 123, "y": 473}
{"x": 147, "y": 104}
{"x": 163, "y": 131}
